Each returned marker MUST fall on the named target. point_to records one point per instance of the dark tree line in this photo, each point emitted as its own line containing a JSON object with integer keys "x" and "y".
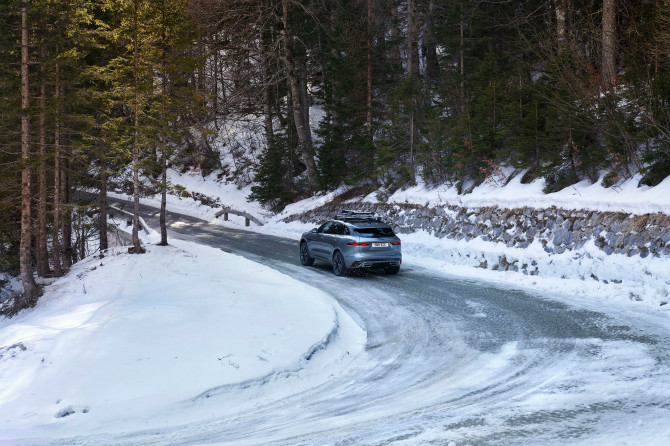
{"x": 100, "y": 91}
{"x": 450, "y": 91}
{"x": 90, "y": 88}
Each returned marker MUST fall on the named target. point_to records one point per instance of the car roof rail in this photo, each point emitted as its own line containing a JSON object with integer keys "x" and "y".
{"x": 352, "y": 215}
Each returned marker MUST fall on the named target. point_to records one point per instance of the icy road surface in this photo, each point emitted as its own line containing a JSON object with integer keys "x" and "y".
{"x": 450, "y": 361}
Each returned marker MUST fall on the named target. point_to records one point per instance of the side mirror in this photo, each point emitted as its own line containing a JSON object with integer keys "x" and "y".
{"x": 314, "y": 230}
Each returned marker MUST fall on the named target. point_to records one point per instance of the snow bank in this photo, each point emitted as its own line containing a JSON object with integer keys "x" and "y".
{"x": 124, "y": 337}
{"x": 590, "y": 276}
{"x": 626, "y": 197}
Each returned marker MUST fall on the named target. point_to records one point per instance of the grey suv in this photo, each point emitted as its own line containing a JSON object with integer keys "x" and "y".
{"x": 353, "y": 241}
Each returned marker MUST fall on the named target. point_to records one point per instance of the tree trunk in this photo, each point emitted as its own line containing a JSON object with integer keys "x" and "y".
{"x": 368, "y": 117}
{"x": 290, "y": 180}
{"x": 301, "y": 122}
{"x": 428, "y": 50}
{"x": 202, "y": 76}
{"x": 461, "y": 58}
{"x": 30, "y": 291}
{"x": 265, "y": 40}
{"x": 413, "y": 73}
{"x": 163, "y": 224}
{"x": 561, "y": 14}
{"x": 56, "y": 246}
{"x": 333, "y": 113}
{"x": 608, "y": 67}
{"x": 215, "y": 82}
{"x": 395, "y": 35}
{"x": 41, "y": 248}
{"x": 104, "y": 243}
{"x": 164, "y": 152}
{"x": 412, "y": 39}
{"x": 305, "y": 102}
{"x": 69, "y": 255}
{"x": 411, "y": 145}
{"x": 137, "y": 247}
{"x": 82, "y": 235}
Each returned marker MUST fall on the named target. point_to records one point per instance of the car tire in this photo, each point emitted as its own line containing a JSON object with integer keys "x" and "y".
{"x": 305, "y": 258}
{"x": 392, "y": 269}
{"x": 339, "y": 268}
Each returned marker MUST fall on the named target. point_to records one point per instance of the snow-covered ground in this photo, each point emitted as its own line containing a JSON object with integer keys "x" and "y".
{"x": 626, "y": 197}
{"x": 644, "y": 282}
{"x": 139, "y": 341}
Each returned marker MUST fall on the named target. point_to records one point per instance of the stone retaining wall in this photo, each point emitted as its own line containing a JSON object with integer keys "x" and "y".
{"x": 558, "y": 230}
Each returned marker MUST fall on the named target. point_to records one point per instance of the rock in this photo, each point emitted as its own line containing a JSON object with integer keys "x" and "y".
{"x": 531, "y": 233}
{"x": 633, "y": 252}
{"x": 656, "y": 246}
{"x": 562, "y": 236}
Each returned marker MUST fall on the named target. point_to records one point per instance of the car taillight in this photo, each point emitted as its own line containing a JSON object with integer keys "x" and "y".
{"x": 395, "y": 243}
{"x": 358, "y": 244}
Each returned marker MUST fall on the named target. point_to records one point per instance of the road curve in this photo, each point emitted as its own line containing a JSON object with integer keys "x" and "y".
{"x": 450, "y": 361}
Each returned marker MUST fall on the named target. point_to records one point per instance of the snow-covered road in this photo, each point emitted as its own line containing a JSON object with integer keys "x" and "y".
{"x": 447, "y": 360}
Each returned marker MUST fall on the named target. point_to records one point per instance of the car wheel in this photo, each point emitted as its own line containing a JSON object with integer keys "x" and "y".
{"x": 392, "y": 269}
{"x": 339, "y": 268}
{"x": 305, "y": 258}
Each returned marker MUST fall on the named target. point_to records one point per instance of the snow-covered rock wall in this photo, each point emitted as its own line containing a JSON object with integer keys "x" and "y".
{"x": 556, "y": 229}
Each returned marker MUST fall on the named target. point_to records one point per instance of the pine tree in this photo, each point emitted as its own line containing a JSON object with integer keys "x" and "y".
{"x": 10, "y": 137}
{"x": 170, "y": 31}
{"x": 30, "y": 291}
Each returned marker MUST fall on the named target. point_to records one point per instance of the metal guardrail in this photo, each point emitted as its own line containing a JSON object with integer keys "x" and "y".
{"x": 144, "y": 225}
{"x": 225, "y": 211}
{"x": 247, "y": 217}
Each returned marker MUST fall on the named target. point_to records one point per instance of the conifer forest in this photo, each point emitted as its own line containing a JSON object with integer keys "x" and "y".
{"x": 382, "y": 93}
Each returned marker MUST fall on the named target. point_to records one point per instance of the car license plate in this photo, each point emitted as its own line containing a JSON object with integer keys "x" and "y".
{"x": 380, "y": 245}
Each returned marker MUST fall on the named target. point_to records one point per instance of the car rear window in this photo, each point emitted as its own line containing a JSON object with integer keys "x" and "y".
{"x": 375, "y": 232}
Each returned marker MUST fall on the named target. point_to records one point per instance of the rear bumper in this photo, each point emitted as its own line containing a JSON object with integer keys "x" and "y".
{"x": 357, "y": 258}
{"x": 375, "y": 263}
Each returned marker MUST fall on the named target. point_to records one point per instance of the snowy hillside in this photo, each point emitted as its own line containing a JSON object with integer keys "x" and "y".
{"x": 138, "y": 341}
